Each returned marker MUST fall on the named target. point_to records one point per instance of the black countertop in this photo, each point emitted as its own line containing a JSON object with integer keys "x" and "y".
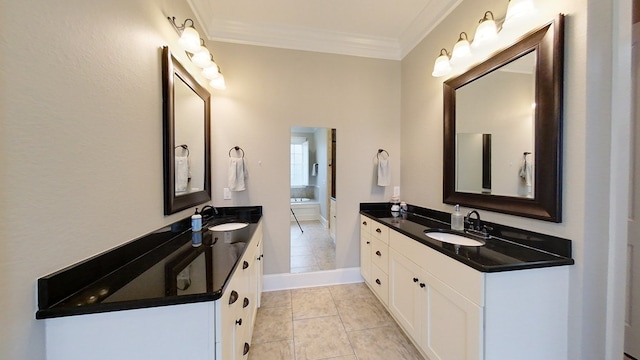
{"x": 508, "y": 248}
{"x": 161, "y": 268}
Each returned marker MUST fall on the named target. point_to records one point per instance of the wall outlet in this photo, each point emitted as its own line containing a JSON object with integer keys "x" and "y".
{"x": 396, "y": 191}
{"x": 227, "y": 193}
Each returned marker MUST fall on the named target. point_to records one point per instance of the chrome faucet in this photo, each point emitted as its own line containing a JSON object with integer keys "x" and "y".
{"x": 476, "y": 227}
{"x": 469, "y": 220}
{"x": 207, "y": 207}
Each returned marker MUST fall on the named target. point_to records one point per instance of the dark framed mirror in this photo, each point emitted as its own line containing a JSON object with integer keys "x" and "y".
{"x": 186, "y": 137}
{"x": 515, "y": 98}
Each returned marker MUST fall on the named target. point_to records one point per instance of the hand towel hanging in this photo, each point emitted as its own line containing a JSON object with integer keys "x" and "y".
{"x": 384, "y": 169}
{"x": 237, "y": 174}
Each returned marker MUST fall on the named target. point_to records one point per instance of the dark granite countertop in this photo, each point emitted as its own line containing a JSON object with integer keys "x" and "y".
{"x": 508, "y": 248}
{"x": 161, "y": 268}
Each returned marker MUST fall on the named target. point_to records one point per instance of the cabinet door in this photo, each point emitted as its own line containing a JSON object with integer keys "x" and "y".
{"x": 365, "y": 256}
{"x": 405, "y": 299}
{"x": 453, "y": 324}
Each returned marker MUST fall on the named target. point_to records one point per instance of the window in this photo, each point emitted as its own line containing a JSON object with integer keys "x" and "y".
{"x": 299, "y": 161}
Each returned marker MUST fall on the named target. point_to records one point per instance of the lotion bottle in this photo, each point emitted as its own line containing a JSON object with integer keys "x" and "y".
{"x": 196, "y": 221}
{"x": 457, "y": 220}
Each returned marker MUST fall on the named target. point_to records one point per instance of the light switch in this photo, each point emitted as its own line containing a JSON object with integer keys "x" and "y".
{"x": 396, "y": 191}
{"x": 227, "y": 193}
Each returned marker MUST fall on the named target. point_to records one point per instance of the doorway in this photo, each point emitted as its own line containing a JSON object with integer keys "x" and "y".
{"x": 312, "y": 196}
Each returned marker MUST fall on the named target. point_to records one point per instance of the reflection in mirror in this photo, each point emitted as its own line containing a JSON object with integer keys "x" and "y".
{"x": 189, "y": 135}
{"x": 497, "y": 108}
{"x": 186, "y": 128}
{"x": 510, "y": 107}
{"x": 312, "y": 233}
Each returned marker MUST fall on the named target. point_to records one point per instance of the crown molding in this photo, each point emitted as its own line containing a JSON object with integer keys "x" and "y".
{"x": 301, "y": 38}
{"x": 432, "y": 15}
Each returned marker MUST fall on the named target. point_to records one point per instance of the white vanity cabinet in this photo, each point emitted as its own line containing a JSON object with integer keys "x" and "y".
{"x": 374, "y": 253}
{"x": 443, "y": 322}
{"x": 238, "y": 305}
{"x": 205, "y": 330}
{"x": 452, "y": 311}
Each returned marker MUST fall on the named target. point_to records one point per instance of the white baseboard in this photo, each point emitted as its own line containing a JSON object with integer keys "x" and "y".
{"x": 288, "y": 281}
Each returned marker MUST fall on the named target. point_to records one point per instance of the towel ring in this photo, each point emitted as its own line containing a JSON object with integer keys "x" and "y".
{"x": 380, "y": 151}
{"x": 184, "y": 147}
{"x": 236, "y": 148}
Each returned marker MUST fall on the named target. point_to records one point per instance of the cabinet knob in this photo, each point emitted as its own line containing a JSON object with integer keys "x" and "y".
{"x": 364, "y": 223}
{"x": 245, "y": 265}
{"x": 378, "y": 282}
{"x": 415, "y": 279}
{"x": 245, "y": 303}
{"x": 378, "y": 253}
{"x": 245, "y": 351}
{"x": 379, "y": 231}
{"x": 368, "y": 242}
{"x": 422, "y": 285}
{"x": 233, "y": 297}
{"x": 239, "y": 322}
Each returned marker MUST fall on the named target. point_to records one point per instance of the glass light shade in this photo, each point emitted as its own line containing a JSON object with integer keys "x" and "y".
{"x": 218, "y": 83}
{"x": 461, "y": 50}
{"x": 190, "y": 40}
{"x": 202, "y": 58}
{"x": 211, "y": 72}
{"x": 486, "y": 32}
{"x": 517, "y": 10}
{"x": 442, "y": 65}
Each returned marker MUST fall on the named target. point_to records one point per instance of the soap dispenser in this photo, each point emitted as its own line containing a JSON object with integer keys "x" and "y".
{"x": 196, "y": 221}
{"x": 457, "y": 219}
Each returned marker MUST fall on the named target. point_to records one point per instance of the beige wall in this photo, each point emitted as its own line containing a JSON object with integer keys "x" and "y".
{"x": 269, "y": 90}
{"x": 82, "y": 137}
{"x": 587, "y": 122}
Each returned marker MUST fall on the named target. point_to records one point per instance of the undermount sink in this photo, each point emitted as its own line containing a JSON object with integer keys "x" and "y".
{"x": 229, "y": 226}
{"x": 453, "y": 238}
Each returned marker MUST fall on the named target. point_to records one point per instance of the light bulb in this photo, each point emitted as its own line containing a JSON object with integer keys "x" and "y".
{"x": 486, "y": 32}
{"x": 211, "y": 72}
{"x": 442, "y": 66}
{"x": 202, "y": 58}
{"x": 462, "y": 49}
{"x": 190, "y": 40}
{"x": 218, "y": 83}
{"x": 517, "y": 10}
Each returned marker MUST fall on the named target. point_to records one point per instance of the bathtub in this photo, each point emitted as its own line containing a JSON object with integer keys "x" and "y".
{"x": 305, "y": 209}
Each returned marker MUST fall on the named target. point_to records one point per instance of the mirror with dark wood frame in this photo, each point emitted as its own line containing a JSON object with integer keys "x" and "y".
{"x": 543, "y": 48}
{"x": 186, "y": 137}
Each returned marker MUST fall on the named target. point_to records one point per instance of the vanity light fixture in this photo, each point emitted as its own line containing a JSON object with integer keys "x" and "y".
{"x": 462, "y": 49}
{"x": 197, "y": 51}
{"x": 516, "y": 11}
{"x": 442, "y": 65}
{"x": 486, "y": 32}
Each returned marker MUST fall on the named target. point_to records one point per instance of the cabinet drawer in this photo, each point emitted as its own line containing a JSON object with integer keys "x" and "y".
{"x": 460, "y": 277}
{"x": 380, "y": 284}
{"x": 380, "y": 255}
{"x": 380, "y": 231}
{"x": 365, "y": 225}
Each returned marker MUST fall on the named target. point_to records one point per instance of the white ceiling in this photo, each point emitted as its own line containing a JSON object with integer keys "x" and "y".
{"x": 386, "y": 29}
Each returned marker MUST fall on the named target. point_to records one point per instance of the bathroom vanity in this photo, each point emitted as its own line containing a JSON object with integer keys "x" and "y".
{"x": 172, "y": 294}
{"x": 507, "y": 299}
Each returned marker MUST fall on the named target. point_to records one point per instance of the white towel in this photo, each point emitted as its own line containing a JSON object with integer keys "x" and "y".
{"x": 237, "y": 174}
{"x": 182, "y": 173}
{"x": 384, "y": 172}
{"x": 526, "y": 178}
{"x": 314, "y": 169}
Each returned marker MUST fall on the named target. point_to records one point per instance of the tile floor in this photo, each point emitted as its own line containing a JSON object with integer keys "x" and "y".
{"x": 313, "y": 249}
{"x": 342, "y": 322}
